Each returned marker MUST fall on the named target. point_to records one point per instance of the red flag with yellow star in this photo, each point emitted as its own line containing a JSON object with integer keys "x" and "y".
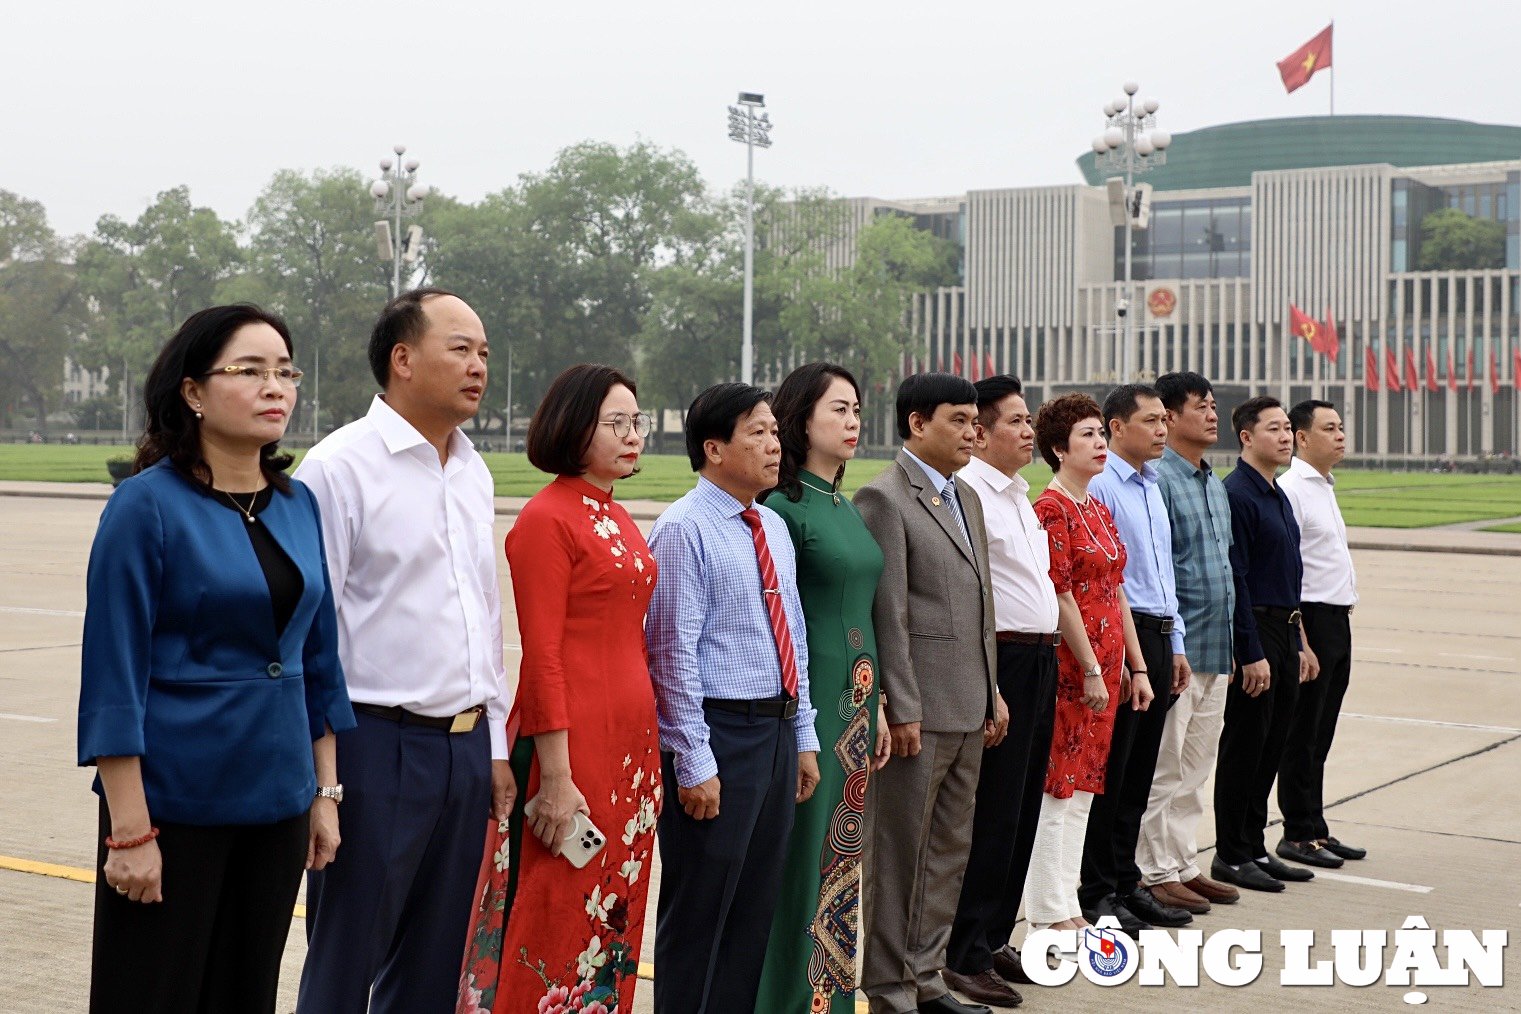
{"x": 1297, "y": 69}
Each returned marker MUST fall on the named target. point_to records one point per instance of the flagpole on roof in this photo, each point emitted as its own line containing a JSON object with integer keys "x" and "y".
{"x": 1333, "y": 69}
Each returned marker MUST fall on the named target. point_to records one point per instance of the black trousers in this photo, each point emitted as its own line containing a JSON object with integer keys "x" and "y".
{"x": 387, "y": 920}
{"x": 1008, "y": 809}
{"x": 1301, "y": 776}
{"x": 719, "y": 878}
{"x": 1251, "y": 746}
{"x": 214, "y": 944}
{"x": 1114, "y": 823}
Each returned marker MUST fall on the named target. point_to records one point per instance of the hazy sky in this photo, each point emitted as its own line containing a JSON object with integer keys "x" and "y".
{"x": 108, "y": 103}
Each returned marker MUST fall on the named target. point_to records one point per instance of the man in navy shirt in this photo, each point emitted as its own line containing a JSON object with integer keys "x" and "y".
{"x": 1270, "y": 664}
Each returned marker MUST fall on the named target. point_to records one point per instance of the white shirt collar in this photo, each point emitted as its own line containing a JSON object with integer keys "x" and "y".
{"x": 1301, "y": 467}
{"x": 400, "y": 435}
{"x": 996, "y": 480}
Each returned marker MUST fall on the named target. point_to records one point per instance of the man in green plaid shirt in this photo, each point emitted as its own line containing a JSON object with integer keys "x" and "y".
{"x": 1200, "y": 516}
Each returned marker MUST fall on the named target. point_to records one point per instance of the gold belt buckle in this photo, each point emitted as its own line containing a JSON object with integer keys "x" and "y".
{"x": 465, "y": 720}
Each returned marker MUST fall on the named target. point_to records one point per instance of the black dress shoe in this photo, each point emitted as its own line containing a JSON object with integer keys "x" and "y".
{"x": 1009, "y": 966}
{"x": 1345, "y": 851}
{"x": 1113, "y": 906}
{"x": 1249, "y": 875}
{"x": 1280, "y": 871}
{"x": 948, "y": 1004}
{"x": 986, "y": 987}
{"x": 1310, "y": 853}
{"x": 1144, "y": 905}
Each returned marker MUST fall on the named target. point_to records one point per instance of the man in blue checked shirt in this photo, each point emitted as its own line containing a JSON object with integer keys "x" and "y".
{"x": 1200, "y": 515}
{"x": 728, "y": 653}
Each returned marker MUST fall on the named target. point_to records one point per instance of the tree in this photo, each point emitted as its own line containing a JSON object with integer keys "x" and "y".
{"x": 143, "y": 278}
{"x": 313, "y": 258}
{"x": 41, "y": 312}
{"x": 1452, "y": 240}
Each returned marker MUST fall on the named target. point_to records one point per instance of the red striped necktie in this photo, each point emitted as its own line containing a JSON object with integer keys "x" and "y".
{"x": 773, "y": 596}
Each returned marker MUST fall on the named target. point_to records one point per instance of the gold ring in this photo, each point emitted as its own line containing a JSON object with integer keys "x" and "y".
{"x": 121, "y": 890}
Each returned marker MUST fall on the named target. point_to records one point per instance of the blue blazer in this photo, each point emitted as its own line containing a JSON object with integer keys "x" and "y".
{"x": 181, "y": 663}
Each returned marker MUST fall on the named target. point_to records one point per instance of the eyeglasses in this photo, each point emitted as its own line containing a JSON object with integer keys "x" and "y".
{"x": 288, "y": 376}
{"x": 621, "y": 424}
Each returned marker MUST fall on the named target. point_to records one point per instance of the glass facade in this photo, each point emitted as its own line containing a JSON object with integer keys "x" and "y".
{"x": 947, "y": 225}
{"x": 1492, "y": 201}
{"x": 1190, "y": 239}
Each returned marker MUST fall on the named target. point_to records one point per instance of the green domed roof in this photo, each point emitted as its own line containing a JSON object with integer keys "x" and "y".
{"x": 1227, "y": 155}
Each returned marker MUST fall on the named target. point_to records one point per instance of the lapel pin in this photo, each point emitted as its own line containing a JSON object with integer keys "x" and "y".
{"x": 935, "y": 500}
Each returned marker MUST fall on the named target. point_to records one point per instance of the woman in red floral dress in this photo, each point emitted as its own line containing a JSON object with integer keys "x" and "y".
{"x": 1087, "y": 568}
{"x": 582, "y": 577}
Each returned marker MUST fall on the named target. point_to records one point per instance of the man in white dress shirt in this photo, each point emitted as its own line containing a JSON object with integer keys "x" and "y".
{"x": 1329, "y": 592}
{"x": 407, "y": 524}
{"x": 979, "y": 962}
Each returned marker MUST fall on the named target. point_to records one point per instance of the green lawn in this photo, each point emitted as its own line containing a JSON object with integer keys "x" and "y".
{"x": 1368, "y": 499}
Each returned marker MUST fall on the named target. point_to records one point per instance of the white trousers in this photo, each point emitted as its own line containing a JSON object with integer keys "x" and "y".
{"x": 1056, "y": 861}
{"x": 1168, "y": 849}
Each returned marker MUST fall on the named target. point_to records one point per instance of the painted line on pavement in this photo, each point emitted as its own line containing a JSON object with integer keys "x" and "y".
{"x": 1393, "y": 885}
{"x": 1432, "y": 722}
{"x": 30, "y": 611}
{"x": 1487, "y": 658}
{"x": 26, "y": 718}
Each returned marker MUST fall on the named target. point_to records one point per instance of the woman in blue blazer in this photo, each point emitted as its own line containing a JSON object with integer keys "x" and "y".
{"x": 211, "y": 686}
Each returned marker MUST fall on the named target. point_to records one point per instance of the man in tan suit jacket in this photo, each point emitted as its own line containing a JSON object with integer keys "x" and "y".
{"x": 936, "y": 653}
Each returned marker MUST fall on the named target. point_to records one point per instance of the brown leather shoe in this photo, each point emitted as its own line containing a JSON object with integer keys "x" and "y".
{"x": 984, "y": 987}
{"x": 1213, "y": 890}
{"x": 1176, "y": 895}
{"x": 1007, "y": 963}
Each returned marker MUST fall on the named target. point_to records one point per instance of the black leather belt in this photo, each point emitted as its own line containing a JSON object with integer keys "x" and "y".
{"x": 465, "y": 721}
{"x": 1146, "y": 621}
{"x": 1033, "y": 640}
{"x": 1289, "y": 616}
{"x": 1327, "y": 607}
{"x": 765, "y": 707}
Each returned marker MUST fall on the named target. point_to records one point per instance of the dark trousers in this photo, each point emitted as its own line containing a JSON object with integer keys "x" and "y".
{"x": 1114, "y": 823}
{"x": 1251, "y": 745}
{"x": 387, "y": 920}
{"x": 719, "y": 878}
{"x": 1301, "y": 776}
{"x": 1008, "y": 809}
{"x": 214, "y": 943}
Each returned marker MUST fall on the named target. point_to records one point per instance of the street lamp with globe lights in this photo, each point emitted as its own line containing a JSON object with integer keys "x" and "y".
{"x": 1130, "y": 144}
{"x": 398, "y": 195}
{"x": 753, "y": 132}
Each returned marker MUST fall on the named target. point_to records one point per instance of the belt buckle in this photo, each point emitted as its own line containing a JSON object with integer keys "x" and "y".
{"x": 1295, "y": 617}
{"x": 465, "y": 721}
{"x": 1166, "y": 626}
{"x": 789, "y": 710}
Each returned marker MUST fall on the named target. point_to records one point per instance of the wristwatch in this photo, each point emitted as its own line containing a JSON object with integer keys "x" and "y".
{"x": 1094, "y": 670}
{"x": 333, "y": 792}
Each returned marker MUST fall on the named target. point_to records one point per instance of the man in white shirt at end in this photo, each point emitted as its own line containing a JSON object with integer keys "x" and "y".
{"x": 1328, "y": 593}
{"x": 407, "y": 525}
{"x": 980, "y": 963}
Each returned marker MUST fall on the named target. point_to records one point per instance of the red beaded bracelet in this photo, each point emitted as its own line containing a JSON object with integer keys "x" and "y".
{"x": 132, "y": 843}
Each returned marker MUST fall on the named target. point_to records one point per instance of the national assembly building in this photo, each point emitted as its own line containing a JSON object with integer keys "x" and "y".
{"x": 1327, "y": 213}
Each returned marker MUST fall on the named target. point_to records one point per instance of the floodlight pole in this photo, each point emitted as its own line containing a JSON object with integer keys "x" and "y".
{"x": 752, "y": 131}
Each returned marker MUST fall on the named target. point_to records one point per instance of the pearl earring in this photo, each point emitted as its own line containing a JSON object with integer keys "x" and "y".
{"x": 199, "y": 416}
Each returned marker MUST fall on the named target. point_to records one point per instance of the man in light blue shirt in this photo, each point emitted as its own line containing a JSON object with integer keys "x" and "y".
{"x": 1111, "y": 880}
{"x": 728, "y": 654}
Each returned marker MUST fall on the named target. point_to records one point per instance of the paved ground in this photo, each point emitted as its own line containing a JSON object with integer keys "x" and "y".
{"x": 1422, "y": 773}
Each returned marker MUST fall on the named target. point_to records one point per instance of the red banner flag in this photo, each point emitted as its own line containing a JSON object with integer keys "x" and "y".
{"x": 1494, "y": 372}
{"x": 1370, "y": 368}
{"x": 1452, "y": 370}
{"x": 956, "y": 364}
{"x": 1332, "y": 345}
{"x": 1470, "y": 366}
{"x": 1391, "y": 369}
{"x": 990, "y": 371}
{"x": 1306, "y": 327}
{"x": 974, "y": 375}
{"x": 1412, "y": 378}
{"x": 1297, "y": 69}
{"x": 1515, "y": 368}
{"x": 1431, "y": 369}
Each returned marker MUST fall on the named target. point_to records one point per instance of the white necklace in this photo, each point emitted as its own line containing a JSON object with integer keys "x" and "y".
{"x": 826, "y": 492}
{"x": 247, "y": 512}
{"x": 1113, "y": 552}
